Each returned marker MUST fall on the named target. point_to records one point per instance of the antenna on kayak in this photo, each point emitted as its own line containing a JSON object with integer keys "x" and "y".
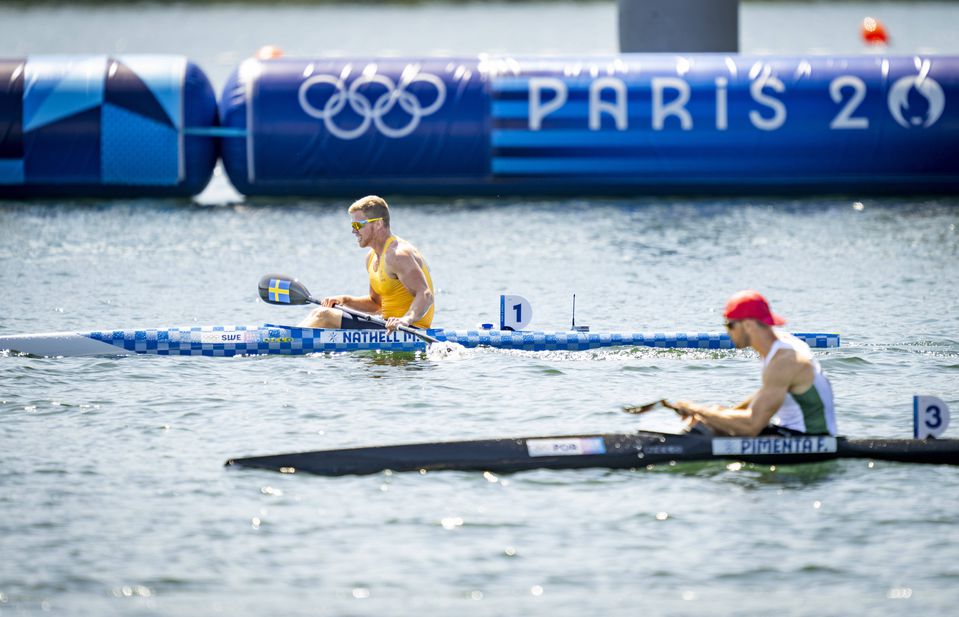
{"x": 576, "y": 328}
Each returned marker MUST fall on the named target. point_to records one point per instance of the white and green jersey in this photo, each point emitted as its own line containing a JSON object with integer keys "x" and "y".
{"x": 811, "y": 411}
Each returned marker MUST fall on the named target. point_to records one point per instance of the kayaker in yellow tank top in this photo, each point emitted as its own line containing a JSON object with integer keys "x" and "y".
{"x": 395, "y": 298}
{"x": 401, "y": 288}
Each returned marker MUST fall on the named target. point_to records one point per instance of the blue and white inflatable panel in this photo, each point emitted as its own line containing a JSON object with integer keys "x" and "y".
{"x": 99, "y": 125}
{"x": 619, "y": 124}
{"x": 334, "y": 126}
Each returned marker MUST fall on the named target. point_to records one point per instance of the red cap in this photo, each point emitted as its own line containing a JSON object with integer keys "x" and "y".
{"x": 750, "y": 304}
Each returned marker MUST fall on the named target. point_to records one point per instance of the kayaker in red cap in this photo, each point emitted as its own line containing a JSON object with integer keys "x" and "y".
{"x": 795, "y": 397}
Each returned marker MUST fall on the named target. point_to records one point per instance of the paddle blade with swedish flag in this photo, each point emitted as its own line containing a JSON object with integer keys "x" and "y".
{"x": 280, "y": 289}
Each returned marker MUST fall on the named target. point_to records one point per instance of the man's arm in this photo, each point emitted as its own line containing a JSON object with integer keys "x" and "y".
{"x": 404, "y": 265}
{"x": 747, "y": 401}
{"x": 763, "y": 405}
{"x": 366, "y": 304}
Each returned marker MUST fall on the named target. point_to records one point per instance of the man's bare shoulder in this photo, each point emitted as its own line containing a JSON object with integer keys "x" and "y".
{"x": 799, "y": 351}
{"x": 784, "y": 356}
{"x": 401, "y": 256}
{"x": 787, "y": 366}
{"x": 401, "y": 249}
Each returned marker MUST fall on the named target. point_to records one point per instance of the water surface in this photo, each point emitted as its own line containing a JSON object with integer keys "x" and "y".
{"x": 113, "y": 498}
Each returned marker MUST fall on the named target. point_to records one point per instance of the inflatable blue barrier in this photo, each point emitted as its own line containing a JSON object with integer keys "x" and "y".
{"x": 620, "y": 124}
{"x": 147, "y": 125}
{"x": 105, "y": 126}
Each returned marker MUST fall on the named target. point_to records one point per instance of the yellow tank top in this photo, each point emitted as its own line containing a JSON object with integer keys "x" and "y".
{"x": 394, "y": 296}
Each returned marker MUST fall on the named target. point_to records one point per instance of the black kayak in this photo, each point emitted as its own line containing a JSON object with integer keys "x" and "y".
{"x": 613, "y": 451}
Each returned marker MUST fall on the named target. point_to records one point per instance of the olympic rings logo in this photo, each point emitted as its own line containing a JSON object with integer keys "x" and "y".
{"x": 371, "y": 111}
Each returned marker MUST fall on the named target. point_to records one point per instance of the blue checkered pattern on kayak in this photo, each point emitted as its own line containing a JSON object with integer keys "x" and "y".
{"x": 224, "y": 341}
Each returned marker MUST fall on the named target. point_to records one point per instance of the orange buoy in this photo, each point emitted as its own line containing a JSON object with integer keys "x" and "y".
{"x": 873, "y": 32}
{"x": 269, "y": 52}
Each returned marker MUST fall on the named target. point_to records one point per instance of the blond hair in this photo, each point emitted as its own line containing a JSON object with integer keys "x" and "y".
{"x": 372, "y": 207}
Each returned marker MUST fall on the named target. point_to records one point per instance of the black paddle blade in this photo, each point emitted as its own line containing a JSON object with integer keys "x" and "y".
{"x": 281, "y": 289}
{"x": 637, "y": 409}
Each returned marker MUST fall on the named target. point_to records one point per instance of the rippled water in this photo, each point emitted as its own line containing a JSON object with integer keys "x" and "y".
{"x": 114, "y": 498}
